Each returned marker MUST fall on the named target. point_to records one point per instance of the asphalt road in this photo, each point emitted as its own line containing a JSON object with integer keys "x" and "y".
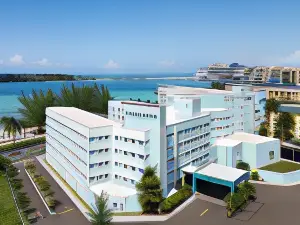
{"x": 67, "y": 212}
{"x": 274, "y": 206}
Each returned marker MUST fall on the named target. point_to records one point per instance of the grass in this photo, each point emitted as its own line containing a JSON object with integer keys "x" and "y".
{"x": 282, "y": 167}
{"x": 69, "y": 187}
{"x": 8, "y": 211}
{"x": 127, "y": 213}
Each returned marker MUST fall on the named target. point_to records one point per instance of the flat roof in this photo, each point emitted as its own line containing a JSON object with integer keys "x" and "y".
{"x": 83, "y": 117}
{"x": 213, "y": 109}
{"x": 227, "y": 142}
{"x": 222, "y": 172}
{"x": 250, "y": 138}
{"x": 113, "y": 189}
{"x": 177, "y": 90}
{"x": 171, "y": 116}
{"x": 140, "y": 103}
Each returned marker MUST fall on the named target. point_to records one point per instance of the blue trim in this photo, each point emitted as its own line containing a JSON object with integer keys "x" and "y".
{"x": 230, "y": 184}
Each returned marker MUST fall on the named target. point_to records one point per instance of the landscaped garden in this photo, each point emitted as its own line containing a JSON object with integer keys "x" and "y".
{"x": 282, "y": 167}
{"x": 42, "y": 184}
{"x": 22, "y": 144}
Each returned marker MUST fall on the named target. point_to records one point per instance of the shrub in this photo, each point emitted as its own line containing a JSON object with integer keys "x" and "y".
{"x": 49, "y": 192}
{"x": 30, "y": 166}
{"x": 246, "y": 189}
{"x": 254, "y": 175}
{"x": 12, "y": 171}
{"x": 22, "y": 144}
{"x": 50, "y": 201}
{"x": 234, "y": 201}
{"x": 243, "y": 166}
{"x": 4, "y": 162}
{"x": 169, "y": 204}
{"x": 17, "y": 184}
{"x": 23, "y": 200}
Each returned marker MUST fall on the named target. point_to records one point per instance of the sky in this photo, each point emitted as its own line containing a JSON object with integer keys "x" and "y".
{"x": 145, "y": 36}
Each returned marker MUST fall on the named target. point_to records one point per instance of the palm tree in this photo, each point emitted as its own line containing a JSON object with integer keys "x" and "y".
{"x": 12, "y": 126}
{"x": 150, "y": 192}
{"x": 100, "y": 99}
{"x": 101, "y": 215}
{"x": 33, "y": 110}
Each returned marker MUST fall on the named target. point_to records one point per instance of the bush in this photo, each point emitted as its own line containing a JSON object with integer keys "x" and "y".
{"x": 169, "y": 204}
{"x": 243, "y": 166}
{"x": 49, "y": 192}
{"x": 17, "y": 184}
{"x": 254, "y": 175}
{"x": 22, "y": 144}
{"x": 23, "y": 200}
{"x": 30, "y": 166}
{"x": 234, "y": 201}
{"x": 4, "y": 162}
{"x": 50, "y": 201}
{"x": 12, "y": 171}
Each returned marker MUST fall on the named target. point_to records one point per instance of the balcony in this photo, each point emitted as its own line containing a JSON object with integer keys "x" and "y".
{"x": 101, "y": 170}
{"x": 133, "y": 147}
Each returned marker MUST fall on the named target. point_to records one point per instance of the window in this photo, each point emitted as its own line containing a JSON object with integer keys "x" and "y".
{"x": 106, "y": 150}
{"x": 125, "y": 166}
{"x": 120, "y": 164}
{"x": 106, "y": 163}
{"x": 132, "y": 181}
{"x": 125, "y": 153}
{"x": 125, "y": 179}
{"x": 133, "y": 168}
{"x": 120, "y": 151}
{"x": 113, "y": 108}
{"x": 271, "y": 155}
{"x": 116, "y": 138}
{"x": 133, "y": 141}
{"x": 106, "y": 137}
{"x": 106, "y": 175}
{"x": 115, "y": 205}
{"x": 116, "y": 163}
{"x": 155, "y": 117}
{"x": 116, "y": 176}
{"x": 116, "y": 150}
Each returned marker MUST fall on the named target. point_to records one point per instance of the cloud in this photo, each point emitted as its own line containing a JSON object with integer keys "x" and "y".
{"x": 167, "y": 63}
{"x": 17, "y": 60}
{"x": 111, "y": 64}
{"x": 293, "y": 58}
{"x": 43, "y": 62}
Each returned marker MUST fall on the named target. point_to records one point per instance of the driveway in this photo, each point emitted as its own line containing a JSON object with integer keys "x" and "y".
{"x": 67, "y": 212}
{"x": 275, "y": 205}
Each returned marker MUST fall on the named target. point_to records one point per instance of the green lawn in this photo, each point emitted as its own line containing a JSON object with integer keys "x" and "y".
{"x": 282, "y": 167}
{"x": 8, "y": 211}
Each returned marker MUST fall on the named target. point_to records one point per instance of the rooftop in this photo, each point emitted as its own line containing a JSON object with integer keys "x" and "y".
{"x": 213, "y": 109}
{"x": 112, "y": 189}
{"x": 140, "y": 103}
{"x": 171, "y": 116}
{"x": 227, "y": 142}
{"x": 180, "y": 90}
{"x": 82, "y": 117}
{"x": 250, "y": 138}
{"x": 222, "y": 172}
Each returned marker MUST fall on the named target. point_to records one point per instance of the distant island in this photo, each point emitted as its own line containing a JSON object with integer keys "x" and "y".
{"x": 41, "y": 77}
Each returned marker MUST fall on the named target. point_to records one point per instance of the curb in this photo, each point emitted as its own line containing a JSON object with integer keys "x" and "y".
{"x": 51, "y": 213}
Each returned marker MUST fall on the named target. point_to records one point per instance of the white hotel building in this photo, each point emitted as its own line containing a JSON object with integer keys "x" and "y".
{"x": 95, "y": 154}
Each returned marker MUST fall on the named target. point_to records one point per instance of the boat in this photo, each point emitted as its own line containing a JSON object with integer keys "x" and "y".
{"x": 221, "y": 71}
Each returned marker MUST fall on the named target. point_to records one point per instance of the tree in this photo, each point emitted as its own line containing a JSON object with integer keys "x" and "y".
{"x": 100, "y": 99}
{"x": 30, "y": 166}
{"x": 263, "y": 131}
{"x": 243, "y": 166}
{"x": 11, "y": 126}
{"x": 234, "y": 201}
{"x": 17, "y": 184}
{"x": 4, "y": 163}
{"x": 217, "y": 85}
{"x": 272, "y": 106}
{"x": 34, "y": 108}
{"x": 246, "y": 189}
{"x": 149, "y": 191}
{"x": 284, "y": 126}
{"x": 101, "y": 215}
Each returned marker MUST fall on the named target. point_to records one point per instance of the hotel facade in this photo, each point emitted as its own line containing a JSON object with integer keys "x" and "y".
{"x": 94, "y": 154}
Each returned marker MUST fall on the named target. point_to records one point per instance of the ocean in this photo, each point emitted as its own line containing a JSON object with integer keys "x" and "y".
{"x": 123, "y": 89}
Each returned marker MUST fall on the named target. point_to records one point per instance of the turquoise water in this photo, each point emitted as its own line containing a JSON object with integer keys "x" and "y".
{"x": 120, "y": 89}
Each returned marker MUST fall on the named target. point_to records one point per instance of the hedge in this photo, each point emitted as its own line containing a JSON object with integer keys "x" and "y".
{"x": 22, "y": 144}
{"x": 170, "y": 203}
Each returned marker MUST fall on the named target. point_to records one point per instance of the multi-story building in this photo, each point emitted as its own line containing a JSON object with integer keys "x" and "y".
{"x": 94, "y": 154}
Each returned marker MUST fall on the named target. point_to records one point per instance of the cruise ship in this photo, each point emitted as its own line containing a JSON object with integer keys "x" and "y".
{"x": 221, "y": 71}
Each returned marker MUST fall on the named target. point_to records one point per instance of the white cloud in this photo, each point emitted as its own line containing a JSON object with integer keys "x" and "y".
{"x": 111, "y": 64}
{"x": 17, "y": 60}
{"x": 167, "y": 63}
{"x": 293, "y": 58}
{"x": 43, "y": 62}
